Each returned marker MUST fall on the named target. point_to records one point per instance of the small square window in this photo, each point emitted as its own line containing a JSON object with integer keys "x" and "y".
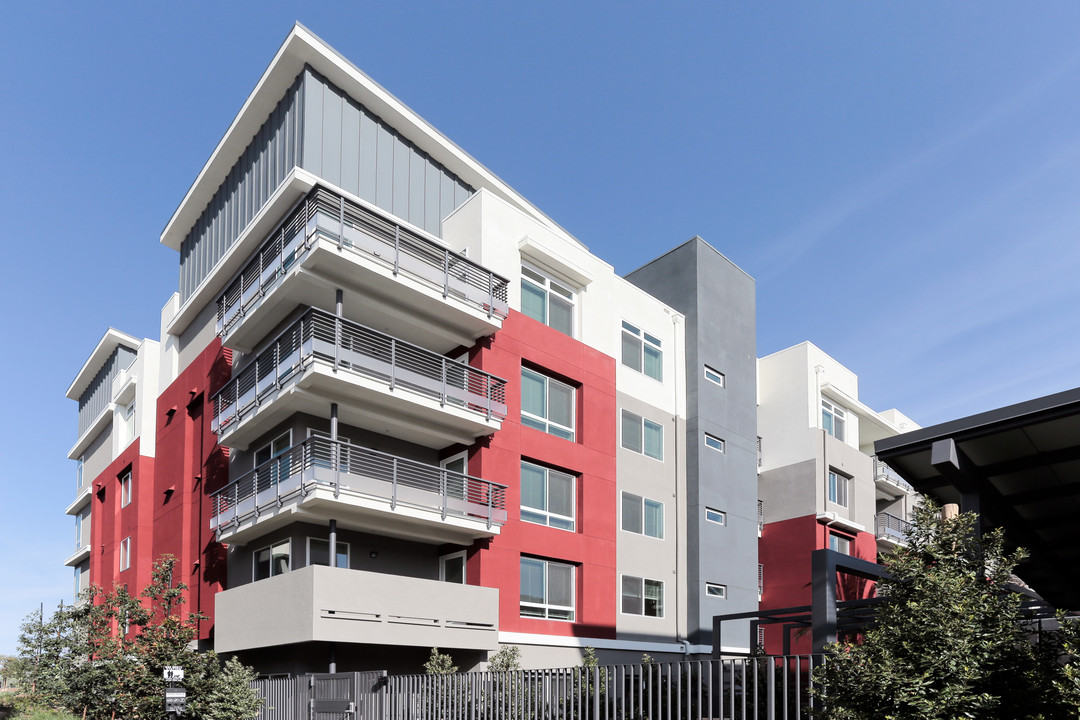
{"x": 717, "y": 516}
{"x": 839, "y": 543}
{"x": 714, "y": 442}
{"x": 715, "y": 376}
{"x": 715, "y": 590}
{"x": 641, "y": 596}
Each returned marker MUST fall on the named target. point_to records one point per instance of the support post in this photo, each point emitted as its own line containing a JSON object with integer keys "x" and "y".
{"x": 823, "y": 599}
{"x": 333, "y": 543}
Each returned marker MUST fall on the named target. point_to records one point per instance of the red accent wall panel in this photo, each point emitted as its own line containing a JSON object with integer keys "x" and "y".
{"x": 591, "y": 547}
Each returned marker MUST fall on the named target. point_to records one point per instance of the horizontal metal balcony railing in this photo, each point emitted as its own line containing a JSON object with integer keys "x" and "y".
{"x": 340, "y": 466}
{"x": 889, "y": 526}
{"x": 349, "y": 346}
{"x": 884, "y": 473}
{"x": 325, "y": 214}
{"x": 760, "y": 517}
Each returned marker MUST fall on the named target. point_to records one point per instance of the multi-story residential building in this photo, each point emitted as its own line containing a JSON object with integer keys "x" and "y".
{"x": 819, "y": 482}
{"x": 396, "y": 407}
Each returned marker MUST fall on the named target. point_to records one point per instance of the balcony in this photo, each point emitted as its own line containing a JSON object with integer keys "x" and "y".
{"x": 324, "y": 604}
{"x": 382, "y": 384}
{"x": 393, "y": 277}
{"x": 890, "y": 529}
{"x": 889, "y": 485}
{"x": 362, "y": 489}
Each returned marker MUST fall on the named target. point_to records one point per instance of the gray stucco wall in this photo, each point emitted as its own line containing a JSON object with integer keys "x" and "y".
{"x": 718, "y": 300}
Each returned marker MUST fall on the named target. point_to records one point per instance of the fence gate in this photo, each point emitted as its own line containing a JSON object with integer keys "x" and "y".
{"x": 333, "y": 696}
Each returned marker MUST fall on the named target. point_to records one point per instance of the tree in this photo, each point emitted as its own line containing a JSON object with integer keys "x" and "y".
{"x": 439, "y": 663}
{"x": 506, "y": 659}
{"x": 105, "y": 656}
{"x": 950, "y": 640}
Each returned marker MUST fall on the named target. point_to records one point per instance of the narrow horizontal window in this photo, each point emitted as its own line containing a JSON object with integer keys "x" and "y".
{"x": 715, "y": 590}
{"x": 717, "y": 516}
{"x": 714, "y": 442}
{"x": 715, "y": 376}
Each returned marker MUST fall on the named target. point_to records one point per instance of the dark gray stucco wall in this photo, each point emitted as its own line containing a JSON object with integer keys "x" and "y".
{"x": 718, "y": 300}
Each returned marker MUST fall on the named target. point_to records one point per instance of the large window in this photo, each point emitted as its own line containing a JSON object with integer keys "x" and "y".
{"x": 838, "y": 488}
{"x": 547, "y": 404}
{"x": 833, "y": 419}
{"x": 641, "y": 351}
{"x": 642, "y": 435}
{"x": 547, "y": 496}
{"x": 273, "y": 560}
{"x": 125, "y": 553}
{"x": 318, "y": 552}
{"x": 642, "y": 597}
{"x": 275, "y": 449}
{"x": 125, "y": 489}
{"x": 547, "y": 589}
{"x": 642, "y": 515}
{"x": 547, "y": 301}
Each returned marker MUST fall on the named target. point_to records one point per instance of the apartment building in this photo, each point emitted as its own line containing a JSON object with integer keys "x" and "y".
{"x": 395, "y": 406}
{"x": 820, "y": 484}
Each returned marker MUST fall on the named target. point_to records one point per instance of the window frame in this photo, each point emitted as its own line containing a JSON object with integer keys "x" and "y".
{"x": 715, "y": 443}
{"x": 271, "y": 547}
{"x": 464, "y": 556}
{"x": 642, "y": 424}
{"x": 641, "y": 503}
{"x": 843, "y": 543}
{"x": 125, "y": 554}
{"x": 546, "y": 284}
{"x": 720, "y": 588}
{"x": 644, "y": 342}
{"x": 307, "y": 549}
{"x": 838, "y": 488}
{"x": 547, "y": 607}
{"x": 534, "y": 421}
{"x": 837, "y": 415}
{"x": 544, "y": 516}
{"x": 719, "y": 379}
{"x": 125, "y": 489}
{"x": 722, "y": 515}
{"x": 641, "y": 596}
{"x": 79, "y": 468}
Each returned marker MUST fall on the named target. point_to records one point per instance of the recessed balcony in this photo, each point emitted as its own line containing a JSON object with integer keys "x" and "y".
{"x": 393, "y": 277}
{"x": 362, "y": 489}
{"x": 380, "y": 382}
{"x": 891, "y": 530}
{"x": 889, "y": 485}
{"x": 325, "y": 604}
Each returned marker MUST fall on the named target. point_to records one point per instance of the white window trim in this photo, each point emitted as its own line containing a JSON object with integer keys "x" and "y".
{"x": 307, "y": 549}
{"x": 711, "y": 442}
{"x": 723, "y": 516}
{"x": 848, "y": 540}
{"x": 463, "y": 554}
{"x": 270, "y": 547}
{"x": 721, "y": 590}
{"x": 663, "y": 596}
{"x": 838, "y": 495}
{"x": 547, "y": 606}
{"x": 125, "y": 553}
{"x": 125, "y": 489}
{"x": 838, "y": 412}
{"x": 641, "y": 506}
{"x": 641, "y": 420}
{"x": 547, "y": 402}
{"x": 547, "y": 513}
{"x": 643, "y": 338}
{"x": 719, "y": 379}
{"x": 550, "y": 278}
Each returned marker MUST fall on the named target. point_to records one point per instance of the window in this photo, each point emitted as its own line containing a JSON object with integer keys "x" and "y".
{"x": 125, "y": 553}
{"x": 547, "y": 589}
{"x": 278, "y": 447}
{"x": 715, "y": 376}
{"x": 717, "y": 516}
{"x": 273, "y": 560}
{"x": 547, "y": 301}
{"x": 838, "y": 488}
{"x": 318, "y": 552}
{"x": 641, "y": 351}
{"x": 547, "y": 496}
{"x": 759, "y": 451}
{"x": 452, "y": 568}
{"x": 455, "y": 473}
{"x": 642, "y": 516}
{"x": 322, "y": 449}
{"x": 714, "y": 442}
{"x": 547, "y": 404}
{"x": 127, "y": 424}
{"x": 642, "y": 436}
{"x": 716, "y": 590}
{"x": 839, "y": 543}
{"x": 832, "y": 419}
{"x": 79, "y": 472}
{"x": 760, "y": 581}
{"x": 642, "y": 597}
{"x": 125, "y": 489}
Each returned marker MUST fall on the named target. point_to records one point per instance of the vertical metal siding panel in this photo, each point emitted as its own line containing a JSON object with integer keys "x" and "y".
{"x": 446, "y": 197}
{"x": 369, "y": 133}
{"x": 461, "y": 194}
{"x": 432, "y": 210}
{"x": 313, "y": 123}
{"x": 331, "y": 136}
{"x": 350, "y": 147}
{"x": 417, "y": 179}
{"x": 384, "y": 169}
{"x": 402, "y": 152}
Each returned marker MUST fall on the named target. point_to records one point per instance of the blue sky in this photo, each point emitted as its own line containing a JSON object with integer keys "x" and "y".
{"x": 900, "y": 178}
